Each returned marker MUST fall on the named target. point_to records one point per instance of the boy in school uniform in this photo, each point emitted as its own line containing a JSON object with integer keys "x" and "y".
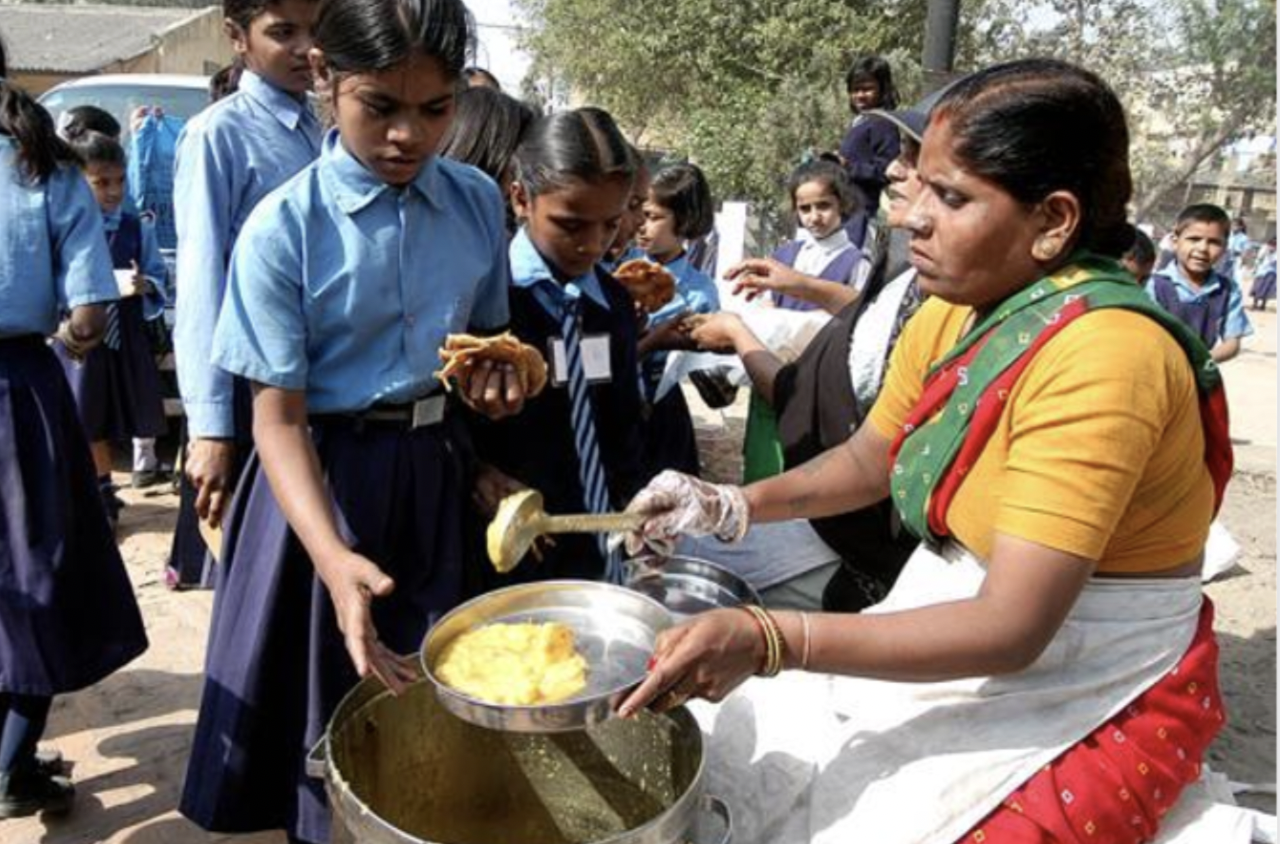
{"x": 1192, "y": 290}
{"x": 229, "y": 157}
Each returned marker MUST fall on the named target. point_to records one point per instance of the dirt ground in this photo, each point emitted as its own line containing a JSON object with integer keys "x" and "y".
{"x": 128, "y": 736}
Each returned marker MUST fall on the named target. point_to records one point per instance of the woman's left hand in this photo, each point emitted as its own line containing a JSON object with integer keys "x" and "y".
{"x": 492, "y": 389}
{"x": 756, "y": 276}
{"x": 707, "y": 657}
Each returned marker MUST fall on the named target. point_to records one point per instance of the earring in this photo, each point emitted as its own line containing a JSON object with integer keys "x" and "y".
{"x": 1045, "y": 248}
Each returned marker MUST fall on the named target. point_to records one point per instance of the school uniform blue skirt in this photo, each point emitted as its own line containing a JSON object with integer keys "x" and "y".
{"x": 277, "y": 666}
{"x": 68, "y": 617}
{"x": 1264, "y": 286}
{"x": 190, "y": 564}
{"x": 117, "y": 391}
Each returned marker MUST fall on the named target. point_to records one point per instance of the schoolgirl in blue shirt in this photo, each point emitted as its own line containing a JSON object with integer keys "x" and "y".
{"x": 678, "y": 209}
{"x": 343, "y": 544}
{"x": 68, "y": 616}
{"x": 117, "y": 385}
{"x": 578, "y": 442}
{"x": 229, "y": 157}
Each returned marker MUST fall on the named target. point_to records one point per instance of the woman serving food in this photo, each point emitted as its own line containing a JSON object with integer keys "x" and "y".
{"x": 1045, "y": 667}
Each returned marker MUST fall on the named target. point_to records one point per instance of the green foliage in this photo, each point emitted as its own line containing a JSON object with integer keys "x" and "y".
{"x": 1194, "y": 75}
{"x": 744, "y": 87}
{"x": 741, "y": 88}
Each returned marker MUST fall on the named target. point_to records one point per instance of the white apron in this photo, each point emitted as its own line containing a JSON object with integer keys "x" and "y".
{"x": 827, "y": 759}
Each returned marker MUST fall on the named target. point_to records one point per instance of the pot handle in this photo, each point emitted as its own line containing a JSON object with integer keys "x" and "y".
{"x": 318, "y": 758}
{"x": 712, "y": 805}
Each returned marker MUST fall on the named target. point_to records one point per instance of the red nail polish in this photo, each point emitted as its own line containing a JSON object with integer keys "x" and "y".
{"x": 648, "y": 666}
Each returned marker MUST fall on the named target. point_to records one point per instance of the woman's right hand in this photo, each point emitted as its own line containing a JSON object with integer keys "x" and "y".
{"x": 717, "y": 332}
{"x": 209, "y": 467}
{"x": 675, "y": 504}
{"x": 353, "y": 582}
{"x": 708, "y": 656}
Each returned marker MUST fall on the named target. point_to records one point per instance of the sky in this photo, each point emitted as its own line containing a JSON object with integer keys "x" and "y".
{"x": 496, "y": 23}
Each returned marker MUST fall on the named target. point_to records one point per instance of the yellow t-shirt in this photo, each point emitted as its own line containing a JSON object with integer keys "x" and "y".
{"x": 1099, "y": 452}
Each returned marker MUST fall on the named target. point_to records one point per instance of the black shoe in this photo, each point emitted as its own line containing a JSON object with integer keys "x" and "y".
{"x": 24, "y": 794}
{"x": 50, "y": 762}
{"x": 144, "y": 478}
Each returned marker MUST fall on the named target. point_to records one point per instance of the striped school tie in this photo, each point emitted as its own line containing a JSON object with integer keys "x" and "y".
{"x": 111, "y": 337}
{"x": 590, "y": 469}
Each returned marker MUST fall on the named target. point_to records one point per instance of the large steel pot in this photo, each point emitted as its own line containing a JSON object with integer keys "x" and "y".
{"x": 404, "y": 770}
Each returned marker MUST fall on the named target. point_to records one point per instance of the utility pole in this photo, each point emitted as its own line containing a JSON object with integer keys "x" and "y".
{"x": 940, "y": 41}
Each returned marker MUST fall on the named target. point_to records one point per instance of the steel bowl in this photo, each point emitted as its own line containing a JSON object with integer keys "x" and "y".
{"x": 687, "y": 585}
{"x": 615, "y": 629}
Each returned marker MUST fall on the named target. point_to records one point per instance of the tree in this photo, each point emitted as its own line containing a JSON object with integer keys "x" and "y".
{"x": 1225, "y": 83}
{"x": 741, "y": 88}
{"x": 1194, "y": 75}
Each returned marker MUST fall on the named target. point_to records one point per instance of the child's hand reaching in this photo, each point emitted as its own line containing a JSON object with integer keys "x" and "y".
{"x": 354, "y": 582}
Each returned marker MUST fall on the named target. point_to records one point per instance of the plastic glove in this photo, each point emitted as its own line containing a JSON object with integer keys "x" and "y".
{"x": 681, "y": 505}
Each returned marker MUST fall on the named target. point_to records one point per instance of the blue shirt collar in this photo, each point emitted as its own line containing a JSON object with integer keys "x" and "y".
{"x": 285, "y": 107}
{"x": 1211, "y": 282}
{"x": 354, "y": 186}
{"x": 111, "y": 220}
{"x": 530, "y": 270}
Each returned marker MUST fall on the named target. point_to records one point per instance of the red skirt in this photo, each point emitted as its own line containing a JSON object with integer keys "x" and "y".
{"x": 1116, "y": 785}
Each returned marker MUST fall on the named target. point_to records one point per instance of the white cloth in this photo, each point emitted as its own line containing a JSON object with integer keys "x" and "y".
{"x": 869, "y": 345}
{"x": 825, "y": 759}
{"x": 1220, "y": 552}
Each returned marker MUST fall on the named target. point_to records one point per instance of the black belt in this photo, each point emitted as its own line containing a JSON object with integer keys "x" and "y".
{"x": 422, "y": 413}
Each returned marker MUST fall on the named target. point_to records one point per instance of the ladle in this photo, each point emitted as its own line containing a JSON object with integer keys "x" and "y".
{"x": 521, "y": 519}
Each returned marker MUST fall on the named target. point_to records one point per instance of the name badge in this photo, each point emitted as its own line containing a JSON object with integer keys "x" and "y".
{"x": 597, "y": 361}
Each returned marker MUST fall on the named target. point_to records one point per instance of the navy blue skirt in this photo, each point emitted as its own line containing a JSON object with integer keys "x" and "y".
{"x": 669, "y": 438}
{"x": 1264, "y": 286}
{"x": 190, "y": 565}
{"x": 117, "y": 391}
{"x": 68, "y": 617}
{"x": 277, "y": 666}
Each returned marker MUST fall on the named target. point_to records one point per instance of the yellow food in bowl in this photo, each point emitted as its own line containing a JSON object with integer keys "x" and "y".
{"x": 522, "y": 664}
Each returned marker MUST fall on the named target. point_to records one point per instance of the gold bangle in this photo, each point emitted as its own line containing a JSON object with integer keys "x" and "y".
{"x": 774, "y": 643}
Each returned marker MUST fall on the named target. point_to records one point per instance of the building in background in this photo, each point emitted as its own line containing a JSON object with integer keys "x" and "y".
{"x": 48, "y": 44}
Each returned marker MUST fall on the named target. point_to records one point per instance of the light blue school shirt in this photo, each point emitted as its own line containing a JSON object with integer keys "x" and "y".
{"x": 229, "y": 157}
{"x": 529, "y": 269}
{"x": 53, "y": 253}
{"x": 1235, "y": 323}
{"x": 345, "y": 287}
{"x": 150, "y": 262}
{"x": 696, "y": 293}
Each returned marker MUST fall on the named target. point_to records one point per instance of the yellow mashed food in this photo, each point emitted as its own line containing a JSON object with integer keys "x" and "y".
{"x": 521, "y": 664}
